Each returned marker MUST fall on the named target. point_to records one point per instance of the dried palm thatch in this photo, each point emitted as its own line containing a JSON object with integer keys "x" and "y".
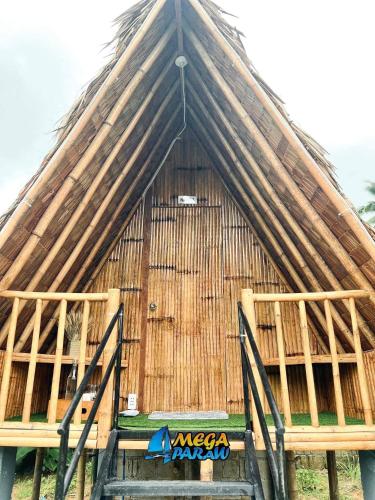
{"x": 67, "y": 218}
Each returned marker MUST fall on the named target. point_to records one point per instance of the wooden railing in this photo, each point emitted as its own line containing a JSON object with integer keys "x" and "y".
{"x": 63, "y": 302}
{"x": 250, "y": 299}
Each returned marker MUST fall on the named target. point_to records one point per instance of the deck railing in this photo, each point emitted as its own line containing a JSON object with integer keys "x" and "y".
{"x": 250, "y": 299}
{"x": 63, "y": 302}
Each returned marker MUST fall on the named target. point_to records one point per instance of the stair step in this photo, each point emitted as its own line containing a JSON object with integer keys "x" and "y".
{"x": 178, "y": 488}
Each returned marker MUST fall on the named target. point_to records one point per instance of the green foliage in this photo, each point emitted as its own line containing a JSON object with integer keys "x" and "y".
{"x": 348, "y": 466}
{"x": 26, "y": 456}
{"x": 369, "y": 208}
{"x": 308, "y": 480}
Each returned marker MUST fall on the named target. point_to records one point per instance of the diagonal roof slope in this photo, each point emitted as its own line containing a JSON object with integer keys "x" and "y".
{"x": 109, "y": 146}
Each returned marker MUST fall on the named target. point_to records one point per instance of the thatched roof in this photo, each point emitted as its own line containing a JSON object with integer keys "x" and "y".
{"x": 110, "y": 143}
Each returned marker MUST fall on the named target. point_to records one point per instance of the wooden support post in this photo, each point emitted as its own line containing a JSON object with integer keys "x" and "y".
{"x": 308, "y": 365}
{"x": 291, "y": 475}
{"x": 7, "y": 367}
{"x": 249, "y": 309}
{"x": 81, "y": 476}
{"x": 106, "y": 406}
{"x": 37, "y": 478}
{"x": 52, "y": 408}
{"x": 332, "y": 476}
{"x": 206, "y": 473}
{"x": 283, "y": 375}
{"x": 335, "y": 365}
{"x": 360, "y": 365}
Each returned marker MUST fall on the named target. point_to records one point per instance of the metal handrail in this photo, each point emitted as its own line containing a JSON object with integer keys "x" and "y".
{"x": 277, "y": 466}
{"x": 64, "y": 474}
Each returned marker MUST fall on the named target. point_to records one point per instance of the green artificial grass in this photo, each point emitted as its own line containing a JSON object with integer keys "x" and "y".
{"x": 233, "y": 423}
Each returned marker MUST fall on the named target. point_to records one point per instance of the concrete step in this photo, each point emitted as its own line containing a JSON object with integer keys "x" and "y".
{"x": 178, "y": 488}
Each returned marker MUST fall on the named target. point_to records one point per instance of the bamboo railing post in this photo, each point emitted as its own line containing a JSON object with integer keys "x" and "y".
{"x": 106, "y": 406}
{"x": 82, "y": 355}
{"x": 81, "y": 476}
{"x": 283, "y": 374}
{"x": 247, "y": 298}
{"x": 57, "y": 365}
{"x": 32, "y": 364}
{"x": 7, "y": 367}
{"x": 335, "y": 364}
{"x": 360, "y": 365}
{"x": 308, "y": 365}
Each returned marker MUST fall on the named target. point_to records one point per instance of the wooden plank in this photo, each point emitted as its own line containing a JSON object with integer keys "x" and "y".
{"x": 57, "y": 363}
{"x": 32, "y": 365}
{"x": 315, "y": 359}
{"x": 24, "y": 357}
{"x": 308, "y": 365}
{"x": 7, "y": 367}
{"x": 360, "y": 365}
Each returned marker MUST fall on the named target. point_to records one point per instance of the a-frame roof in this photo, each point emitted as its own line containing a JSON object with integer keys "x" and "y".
{"x": 68, "y": 216}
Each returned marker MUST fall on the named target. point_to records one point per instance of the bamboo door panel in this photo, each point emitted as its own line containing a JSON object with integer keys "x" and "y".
{"x": 185, "y": 346}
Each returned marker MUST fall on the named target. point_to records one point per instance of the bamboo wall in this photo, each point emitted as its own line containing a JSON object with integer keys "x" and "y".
{"x": 192, "y": 263}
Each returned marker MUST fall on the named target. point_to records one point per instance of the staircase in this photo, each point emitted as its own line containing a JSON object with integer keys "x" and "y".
{"x": 109, "y": 485}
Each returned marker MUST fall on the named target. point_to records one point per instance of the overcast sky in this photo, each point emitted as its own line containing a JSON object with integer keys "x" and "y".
{"x": 317, "y": 55}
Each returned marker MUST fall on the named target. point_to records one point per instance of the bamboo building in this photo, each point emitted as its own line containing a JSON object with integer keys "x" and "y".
{"x": 178, "y": 186}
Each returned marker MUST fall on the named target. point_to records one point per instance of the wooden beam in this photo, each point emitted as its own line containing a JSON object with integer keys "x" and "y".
{"x": 93, "y": 188}
{"x": 272, "y": 217}
{"x": 42, "y": 180}
{"x": 73, "y": 177}
{"x": 342, "y": 206}
{"x": 260, "y": 220}
{"x": 98, "y": 244}
{"x": 283, "y": 210}
{"x": 278, "y": 166}
{"x": 102, "y": 209}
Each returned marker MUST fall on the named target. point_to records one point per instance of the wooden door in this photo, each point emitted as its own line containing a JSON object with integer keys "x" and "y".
{"x": 185, "y": 339}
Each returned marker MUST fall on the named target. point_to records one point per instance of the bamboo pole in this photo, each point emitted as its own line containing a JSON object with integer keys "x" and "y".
{"x": 283, "y": 375}
{"x": 332, "y": 476}
{"x": 82, "y": 356}
{"x": 272, "y": 215}
{"x": 278, "y": 166}
{"x": 342, "y": 206}
{"x": 363, "y": 387}
{"x": 42, "y": 180}
{"x": 101, "y": 210}
{"x": 282, "y": 209}
{"x": 7, "y": 363}
{"x": 271, "y": 238}
{"x": 57, "y": 365}
{"x": 99, "y": 243}
{"x": 55, "y": 296}
{"x": 37, "y": 478}
{"x": 32, "y": 364}
{"x": 91, "y": 192}
{"x": 84, "y": 161}
{"x": 312, "y": 296}
{"x": 249, "y": 310}
{"x": 106, "y": 405}
{"x": 81, "y": 476}
{"x": 291, "y": 475}
{"x": 335, "y": 365}
{"x": 308, "y": 365}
